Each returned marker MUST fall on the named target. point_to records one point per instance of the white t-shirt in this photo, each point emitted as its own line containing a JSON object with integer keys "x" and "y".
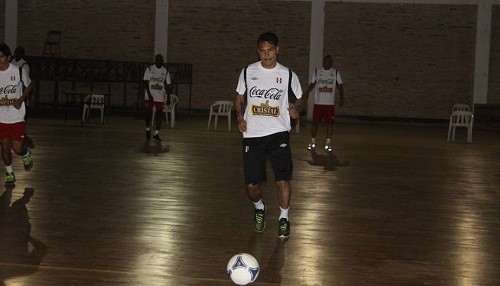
{"x": 21, "y": 63}
{"x": 324, "y": 91}
{"x": 266, "y": 110}
{"x": 11, "y": 89}
{"x": 156, "y": 77}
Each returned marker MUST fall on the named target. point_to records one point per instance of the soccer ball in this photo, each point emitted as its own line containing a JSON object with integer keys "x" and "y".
{"x": 243, "y": 269}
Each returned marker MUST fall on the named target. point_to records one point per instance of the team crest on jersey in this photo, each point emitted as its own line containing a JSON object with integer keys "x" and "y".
{"x": 264, "y": 109}
{"x": 278, "y": 80}
{"x": 13, "y": 78}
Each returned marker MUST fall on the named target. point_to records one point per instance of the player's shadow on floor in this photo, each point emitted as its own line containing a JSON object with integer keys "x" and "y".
{"x": 150, "y": 147}
{"x": 329, "y": 161}
{"x": 17, "y": 256}
{"x": 270, "y": 270}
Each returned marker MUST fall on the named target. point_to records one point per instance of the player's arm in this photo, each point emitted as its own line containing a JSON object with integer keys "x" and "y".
{"x": 26, "y": 92}
{"x": 146, "y": 87}
{"x": 341, "y": 93}
{"x": 309, "y": 89}
{"x": 239, "y": 102}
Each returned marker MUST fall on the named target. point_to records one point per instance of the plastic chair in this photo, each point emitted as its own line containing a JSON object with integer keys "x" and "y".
{"x": 93, "y": 101}
{"x": 460, "y": 107}
{"x": 461, "y": 119}
{"x": 220, "y": 108}
{"x": 171, "y": 109}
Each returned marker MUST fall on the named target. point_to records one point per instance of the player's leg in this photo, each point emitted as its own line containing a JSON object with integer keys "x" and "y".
{"x": 158, "y": 118}
{"x": 6, "y": 146}
{"x": 17, "y": 132}
{"x": 314, "y": 127}
{"x": 147, "y": 118}
{"x": 281, "y": 160}
{"x": 329, "y": 119}
{"x": 254, "y": 167}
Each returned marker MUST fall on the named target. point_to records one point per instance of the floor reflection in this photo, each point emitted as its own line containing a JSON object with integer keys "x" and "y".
{"x": 270, "y": 271}
{"x": 154, "y": 148}
{"x": 329, "y": 161}
{"x": 20, "y": 253}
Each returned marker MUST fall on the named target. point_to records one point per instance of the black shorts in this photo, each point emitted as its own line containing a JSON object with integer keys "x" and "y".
{"x": 256, "y": 150}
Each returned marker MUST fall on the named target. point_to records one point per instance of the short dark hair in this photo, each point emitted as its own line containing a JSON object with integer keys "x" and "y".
{"x": 327, "y": 57}
{"x": 19, "y": 51}
{"x": 269, "y": 37}
{"x": 5, "y": 49}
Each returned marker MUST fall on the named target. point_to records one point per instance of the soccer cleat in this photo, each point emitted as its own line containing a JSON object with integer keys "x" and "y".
{"x": 283, "y": 228}
{"x": 27, "y": 162}
{"x": 328, "y": 148}
{"x": 148, "y": 135}
{"x": 259, "y": 222}
{"x": 10, "y": 178}
{"x": 156, "y": 138}
{"x": 311, "y": 146}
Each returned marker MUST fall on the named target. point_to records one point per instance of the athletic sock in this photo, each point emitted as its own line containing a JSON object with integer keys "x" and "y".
{"x": 328, "y": 141}
{"x": 259, "y": 205}
{"x": 156, "y": 132}
{"x": 28, "y": 152}
{"x": 148, "y": 129}
{"x": 313, "y": 140}
{"x": 284, "y": 213}
{"x": 8, "y": 169}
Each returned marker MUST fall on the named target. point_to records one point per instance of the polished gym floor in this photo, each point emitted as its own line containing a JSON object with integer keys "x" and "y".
{"x": 394, "y": 205}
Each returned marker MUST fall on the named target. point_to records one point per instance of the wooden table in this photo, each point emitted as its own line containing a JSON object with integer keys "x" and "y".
{"x": 78, "y": 98}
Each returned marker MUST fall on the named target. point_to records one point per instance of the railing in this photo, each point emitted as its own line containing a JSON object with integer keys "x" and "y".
{"x": 99, "y": 71}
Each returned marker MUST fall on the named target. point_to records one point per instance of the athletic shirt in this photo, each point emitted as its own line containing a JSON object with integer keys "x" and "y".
{"x": 156, "y": 77}
{"x": 11, "y": 89}
{"x": 266, "y": 110}
{"x": 22, "y": 64}
{"x": 324, "y": 91}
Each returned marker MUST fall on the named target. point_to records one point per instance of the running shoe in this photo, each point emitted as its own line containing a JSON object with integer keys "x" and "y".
{"x": 156, "y": 138}
{"x": 27, "y": 162}
{"x": 328, "y": 148}
{"x": 10, "y": 178}
{"x": 259, "y": 222}
{"x": 283, "y": 228}
{"x": 311, "y": 146}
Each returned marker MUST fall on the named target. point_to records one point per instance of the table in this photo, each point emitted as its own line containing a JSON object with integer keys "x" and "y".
{"x": 77, "y": 97}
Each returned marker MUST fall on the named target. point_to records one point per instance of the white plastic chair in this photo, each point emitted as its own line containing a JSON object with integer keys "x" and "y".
{"x": 171, "y": 109}
{"x": 220, "y": 108}
{"x": 168, "y": 109}
{"x": 93, "y": 101}
{"x": 461, "y": 119}
{"x": 460, "y": 107}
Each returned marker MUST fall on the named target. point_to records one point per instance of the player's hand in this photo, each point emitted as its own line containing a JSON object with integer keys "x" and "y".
{"x": 242, "y": 125}
{"x": 17, "y": 104}
{"x": 293, "y": 112}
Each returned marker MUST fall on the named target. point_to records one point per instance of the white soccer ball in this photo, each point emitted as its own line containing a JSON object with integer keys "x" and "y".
{"x": 243, "y": 269}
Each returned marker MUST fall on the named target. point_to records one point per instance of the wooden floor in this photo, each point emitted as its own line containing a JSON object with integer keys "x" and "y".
{"x": 395, "y": 205}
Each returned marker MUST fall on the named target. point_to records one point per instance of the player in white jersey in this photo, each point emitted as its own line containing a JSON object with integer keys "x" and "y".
{"x": 265, "y": 123}
{"x": 325, "y": 80}
{"x": 12, "y": 112}
{"x": 157, "y": 92}
{"x": 19, "y": 61}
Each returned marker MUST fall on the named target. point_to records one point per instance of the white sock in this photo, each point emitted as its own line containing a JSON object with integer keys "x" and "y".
{"x": 8, "y": 169}
{"x": 27, "y": 153}
{"x": 148, "y": 129}
{"x": 259, "y": 205}
{"x": 313, "y": 140}
{"x": 156, "y": 132}
{"x": 284, "y": 213}
{"x": 328, "y": 141}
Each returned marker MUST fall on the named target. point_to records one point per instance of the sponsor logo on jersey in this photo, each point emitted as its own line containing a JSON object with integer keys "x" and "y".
{"x": 264, "y": 109}
{"x": 283, "y": 145}
{"x": 272, "y": 93}
{"x": 254, "y": 78}
{"x": 8, "y": 89}
{"x": 325, "y": 89}
{"x": 4, "y": 101}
